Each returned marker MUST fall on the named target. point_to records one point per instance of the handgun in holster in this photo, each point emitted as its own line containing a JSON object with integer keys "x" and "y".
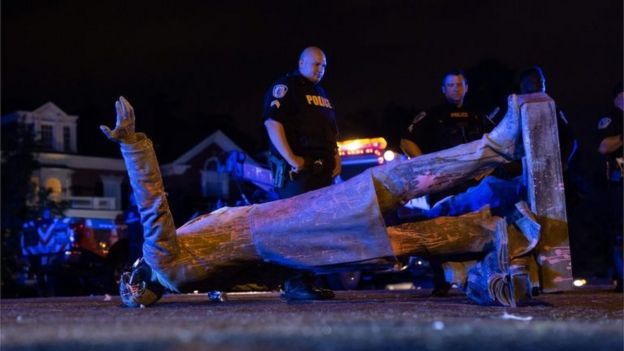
{"x": 279, "y": 169}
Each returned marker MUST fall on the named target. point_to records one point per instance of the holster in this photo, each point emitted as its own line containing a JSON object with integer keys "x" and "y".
{"x": 279, "y": 169}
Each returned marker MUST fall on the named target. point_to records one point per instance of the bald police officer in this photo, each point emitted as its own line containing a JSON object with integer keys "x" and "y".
{"x": 301, "y": 124}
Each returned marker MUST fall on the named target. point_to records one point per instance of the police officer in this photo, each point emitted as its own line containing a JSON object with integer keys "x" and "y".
{"x": 610, "y": 147}
{"x": 445, "y": 125}
{"x": 533, "y": 80}
{"x": 441, "y": 127}
{"x": 301, "y": 124}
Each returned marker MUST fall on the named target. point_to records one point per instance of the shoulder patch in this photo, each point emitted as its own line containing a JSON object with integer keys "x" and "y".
{"x": 275, "y": 103}
{"x": 279, "y": 91}
{"x": 604, "y": 122}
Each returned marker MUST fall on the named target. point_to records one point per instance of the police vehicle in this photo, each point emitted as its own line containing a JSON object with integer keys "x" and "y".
{"x": 72, "y": 255}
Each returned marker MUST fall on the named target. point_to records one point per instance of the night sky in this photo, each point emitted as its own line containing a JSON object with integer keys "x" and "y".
{"x": 190, "y": 67}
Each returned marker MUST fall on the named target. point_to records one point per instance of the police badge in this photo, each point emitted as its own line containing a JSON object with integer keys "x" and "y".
{"x": 279, "y": 91}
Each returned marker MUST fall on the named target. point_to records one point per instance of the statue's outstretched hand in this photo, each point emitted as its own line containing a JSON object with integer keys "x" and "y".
{"x": 124, "y": 128}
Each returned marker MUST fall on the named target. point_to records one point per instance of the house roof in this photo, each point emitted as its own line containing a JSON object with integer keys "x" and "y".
{"x": 219, "y": 138}
{"x": 48, "y": 111}
{"x": 49, "y": 108}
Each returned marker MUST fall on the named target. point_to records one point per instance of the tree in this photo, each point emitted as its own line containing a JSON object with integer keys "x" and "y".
{"x": 18, "y": 164}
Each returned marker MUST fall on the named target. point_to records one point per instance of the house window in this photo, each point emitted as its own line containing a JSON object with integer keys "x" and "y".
{"x": 46, "y": 136}
{"x": 66, "y": 139}
{"x": 56, "y": 188}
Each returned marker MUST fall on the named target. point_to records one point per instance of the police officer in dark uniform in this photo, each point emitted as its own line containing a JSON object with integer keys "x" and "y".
{"x": 610, "y": 131}
{"x": 442, "y": 127}
{"x": 533, "y": 80}
{"x": 301, "y": 124}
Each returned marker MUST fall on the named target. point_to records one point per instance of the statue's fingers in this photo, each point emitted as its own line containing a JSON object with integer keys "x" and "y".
{"x": 106, "y": 131}
{"x": 124, "y": 112}
{"x": 129, "y": 109}
{"x": 118, "y": 110}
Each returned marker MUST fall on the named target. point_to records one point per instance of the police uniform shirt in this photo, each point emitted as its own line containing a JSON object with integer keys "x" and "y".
{"x": 306, "y": 114}
{"x": 444, "y": 126}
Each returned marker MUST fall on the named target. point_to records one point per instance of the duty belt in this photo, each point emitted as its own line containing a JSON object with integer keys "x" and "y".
{"x": 311, "y": 165}
{"x": 281, "y": 169}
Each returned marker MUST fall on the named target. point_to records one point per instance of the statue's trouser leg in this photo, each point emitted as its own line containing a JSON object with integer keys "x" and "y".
{"x": 397, "y": 183}
{"x": 499, "y": 278}
{"x": 443, "y": 236}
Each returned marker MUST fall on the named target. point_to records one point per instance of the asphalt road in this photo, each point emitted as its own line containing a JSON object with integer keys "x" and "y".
{"x": 588, "y": 318}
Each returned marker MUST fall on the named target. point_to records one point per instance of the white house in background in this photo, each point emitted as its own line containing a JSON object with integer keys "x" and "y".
{"x": 92, "y": 185}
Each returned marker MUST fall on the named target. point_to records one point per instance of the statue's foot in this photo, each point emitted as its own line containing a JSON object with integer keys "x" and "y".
{"x": 497, "y": 281}
{"x": 505, "y": 137}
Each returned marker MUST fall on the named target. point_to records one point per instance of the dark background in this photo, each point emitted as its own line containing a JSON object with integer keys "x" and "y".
{"x": 191, "y": 67}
